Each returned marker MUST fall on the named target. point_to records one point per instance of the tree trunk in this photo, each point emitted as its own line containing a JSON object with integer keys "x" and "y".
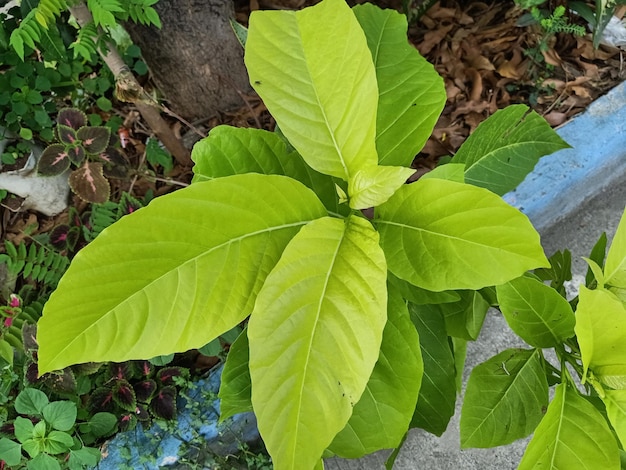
{"x": 195, "y": 59}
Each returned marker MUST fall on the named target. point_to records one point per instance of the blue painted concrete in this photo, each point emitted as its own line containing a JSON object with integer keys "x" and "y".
{"x": 561, "y": 182}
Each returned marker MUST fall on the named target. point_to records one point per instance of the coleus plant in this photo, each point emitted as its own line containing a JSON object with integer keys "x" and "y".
{"x": 346, "y": 311}
{"x": 86, "y": 147}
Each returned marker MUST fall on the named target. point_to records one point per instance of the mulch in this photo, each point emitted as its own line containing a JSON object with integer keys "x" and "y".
{"x": 478, "y": 48}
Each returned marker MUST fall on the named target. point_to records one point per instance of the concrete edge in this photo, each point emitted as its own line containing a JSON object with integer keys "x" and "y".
{"x": 564, "y": 180}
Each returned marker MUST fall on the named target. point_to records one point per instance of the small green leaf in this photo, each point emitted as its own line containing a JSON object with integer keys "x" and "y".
{"x": 26, "y": 133}
{"x": 374, "y": 185}
{"x": 506, "y": 147}
{"x": 104, "y": 104}
{"x": 43, "y": 462}
{"x": 536, "y": 312}
{"x": 10, "y": 452}
{"x": 615, "y": 265}
{"x": 327, "y": 326}
{"x": 58, "y": 442}
{"x": 23, "y": 429}
{"x": 505, "y": 399}
{"x": 464, "y": 319}
{"x": 31, "y": 401}
{"x": 162, "y": 360}
{"x": 443, "y": 235}
{"x": 213, "y": 348}
{"x": 61, "y": 415}
{"x": 572, "y": 434}
{"x": 102, "y": 424}
{"x": 84, "y": 457}
{"x": 437, "y": 397}
{"x": 235, "y": 389}
{"x": 601, "y": 332}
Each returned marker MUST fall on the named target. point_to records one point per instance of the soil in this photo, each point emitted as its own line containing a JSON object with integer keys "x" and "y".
{"x": 479, "y": 49}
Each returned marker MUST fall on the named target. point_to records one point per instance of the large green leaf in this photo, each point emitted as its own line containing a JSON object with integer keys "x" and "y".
{"x": 435, "y": 404}
{"x": 506, "y": 147}
{"x": 314, "y": 72}
{"x": 174, "y": 275}
{"x": 234, "y": 150}
{"x": 615, "y": 401}
{"x": 536, "y": 312}
{"x": 615, "y": 265}
{"x": 443, "y": 235}
{"x": 388, "y": 402}
{"x": 324, "y": 305}
{"x": 235, "y": 389}
{"x": 601, "y": 332}
{"x": 505, "y": 399}
{"x": 572, "y": 435}
{"x": 411, "y": 92}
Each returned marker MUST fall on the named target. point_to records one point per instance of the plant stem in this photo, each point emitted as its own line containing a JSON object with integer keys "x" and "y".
{"x": 151, "y": 114}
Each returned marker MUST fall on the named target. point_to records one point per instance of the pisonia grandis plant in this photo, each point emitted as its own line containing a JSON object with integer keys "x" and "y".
{"x": 273, "y": 234}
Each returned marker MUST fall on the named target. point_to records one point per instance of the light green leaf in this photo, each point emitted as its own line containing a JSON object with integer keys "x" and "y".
{"x": 58, "y": 442}
{"x": 325, "y": 306}
{"x": 615, "y": 401}
{"x": 615, "y": 265}
{"x": 10, "y": 452}
{"x": 465, "y": 318}
{"x": 411, "y": 92}
{"x": 435, "y": 403}
{"x": 597, "y": 272}
{"x": 320, "y": 88}
{"x": 572, "y": 435}
{"x": 506, "y": 147}
{"x": 169, "y": 277}
{"x": 372, "y": 186}
{"x": 449, "y": 171}
{"x": 31, "y": 401}
{"x": 232, "y": 150}
{"x": 235, "y": 392}
{"x": 23, "y": 429}
{"x": 390, "y": 397}
{"x": 419, "y": 296}
{"x": 43, "y": 462}
{"x": 505, "y": 399}
{"x": 61, "y": 415}
{"x": 536, "y": 312}
{"x": 601, "y": 332}
{"x": 443, "y": 235}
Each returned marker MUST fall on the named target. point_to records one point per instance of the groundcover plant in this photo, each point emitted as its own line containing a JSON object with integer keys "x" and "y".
{"x": 359, "y": 291}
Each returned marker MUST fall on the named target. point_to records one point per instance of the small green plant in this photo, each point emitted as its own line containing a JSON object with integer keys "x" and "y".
{"x": 47, "y": 431}
{"x": 358, "y": 291}
{"x": 86, "y": 147}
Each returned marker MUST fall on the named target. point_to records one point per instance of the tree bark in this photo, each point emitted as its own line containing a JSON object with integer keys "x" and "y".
{"x": 150, "y": 113}
{"x": 195, "y": 59}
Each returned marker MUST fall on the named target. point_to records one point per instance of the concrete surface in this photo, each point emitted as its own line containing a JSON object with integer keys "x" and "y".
{"x": 572, "y": 197}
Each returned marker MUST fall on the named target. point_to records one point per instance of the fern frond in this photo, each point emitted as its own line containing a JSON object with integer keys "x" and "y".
{"x": 35, "y": 263}
{"x": 85, "y": 44}
{"x": 141, "y": 11}
{"x": 103, "y": 11}
{"x": 37, "y": 20}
